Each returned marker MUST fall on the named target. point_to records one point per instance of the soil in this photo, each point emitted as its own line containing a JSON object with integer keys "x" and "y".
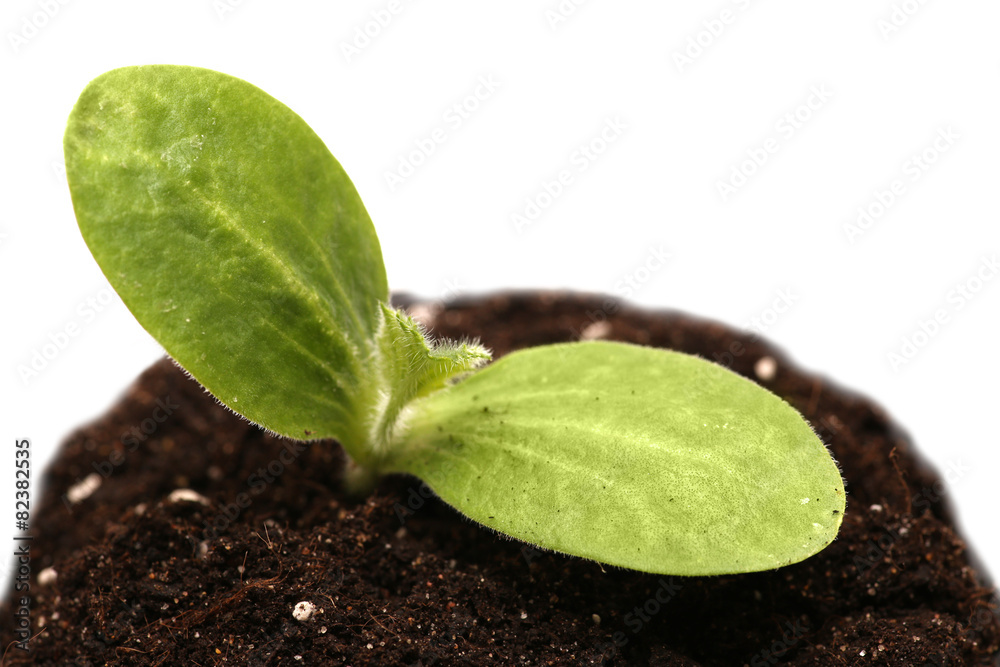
{"x": 132, "y": 572}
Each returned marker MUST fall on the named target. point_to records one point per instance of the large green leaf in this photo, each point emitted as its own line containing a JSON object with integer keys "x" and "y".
{"x": 632, "y": 456}
{"x": 235, "y": 238}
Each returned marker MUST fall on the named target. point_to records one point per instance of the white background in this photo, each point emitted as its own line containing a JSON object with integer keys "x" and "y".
{"x": 893, "y": 76}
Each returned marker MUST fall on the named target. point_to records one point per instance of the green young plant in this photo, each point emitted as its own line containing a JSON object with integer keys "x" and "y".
{"x": 237, "y": 240}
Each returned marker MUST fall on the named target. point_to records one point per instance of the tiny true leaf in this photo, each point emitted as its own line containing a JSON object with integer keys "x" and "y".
{"x": 411, "y": 366}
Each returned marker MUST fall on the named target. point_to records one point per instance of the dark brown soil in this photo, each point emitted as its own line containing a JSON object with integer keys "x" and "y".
{"x": 400, "y": 579}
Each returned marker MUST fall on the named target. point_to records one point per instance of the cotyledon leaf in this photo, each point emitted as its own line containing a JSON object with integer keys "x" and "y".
{"x": 234, "y": 237}
{"x": 632, "y": 456}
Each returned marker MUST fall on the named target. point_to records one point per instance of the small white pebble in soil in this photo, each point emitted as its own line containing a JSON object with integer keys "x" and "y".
{"x": 862, "y": 654}
{"x": 596, "y": 330}
{"x": 303, "y": 611}
{"x": 524, "y": 615}
{"x": 766, "y": 368}
{"x": 875, "y": 508}
{"x": 84, "y": 488}
{"x": 322, "y": 630}
{"x": 139, "y": 509}
{"x": 47, "y": 576}
{"x": 187, "y": 495}
{"x": 298, "y": 657}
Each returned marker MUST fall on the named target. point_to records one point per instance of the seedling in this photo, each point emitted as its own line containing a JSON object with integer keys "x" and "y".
{"x": 237, "y": 240}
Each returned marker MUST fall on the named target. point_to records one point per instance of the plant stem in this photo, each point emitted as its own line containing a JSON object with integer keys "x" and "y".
{"x": 359, "y": 481}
